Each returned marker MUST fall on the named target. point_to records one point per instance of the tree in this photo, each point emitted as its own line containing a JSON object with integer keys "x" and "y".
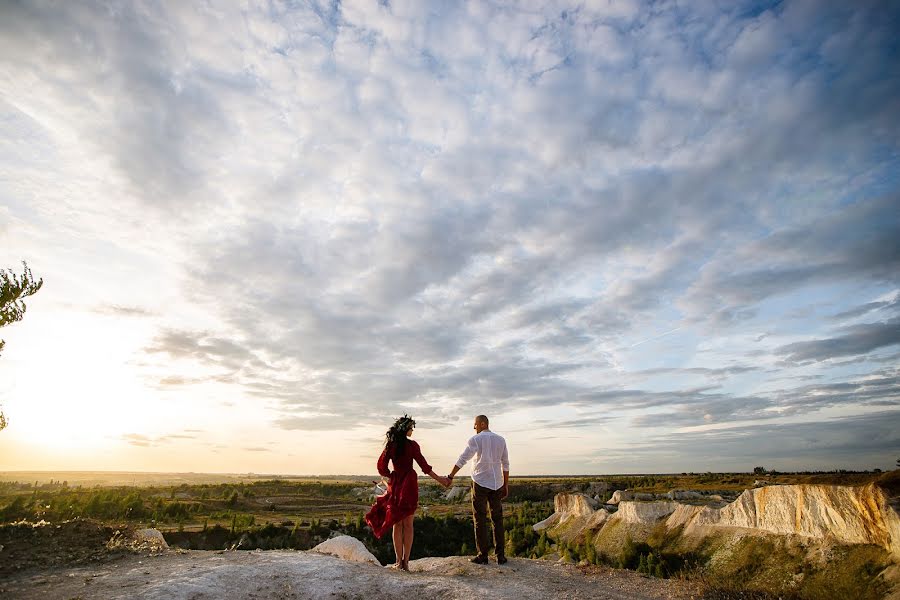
{"x": 13, "y": 289}
{"x": 759, "y": 470}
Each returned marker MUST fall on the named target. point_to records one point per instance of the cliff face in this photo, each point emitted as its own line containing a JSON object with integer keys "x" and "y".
{"x": 840, "y": 514}
{"x": 848, "y": 515}
{"x": 573, "y": 513}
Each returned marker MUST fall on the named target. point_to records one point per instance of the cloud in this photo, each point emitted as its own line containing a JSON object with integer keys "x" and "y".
{"x": 204, "y": 348}
{"x": 854, "y": 441}
{"x": 693, "y": 408}
{"x": 137, "y": 439}
{"x": 584, "y": 421}
{"x": 855, "y": 244}
{"x": 123, "y": 311}
{"x": 867, "y": 308}
{"x": 374, "y": 208}
{"x": 179, "y": 381}
{"x": 856, "y": 340}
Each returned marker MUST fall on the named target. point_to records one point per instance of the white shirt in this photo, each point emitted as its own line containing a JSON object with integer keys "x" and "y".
{"x": 491, "y": 459}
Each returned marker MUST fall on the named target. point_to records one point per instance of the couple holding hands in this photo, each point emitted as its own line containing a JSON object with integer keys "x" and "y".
{"x": 396, "y": 508}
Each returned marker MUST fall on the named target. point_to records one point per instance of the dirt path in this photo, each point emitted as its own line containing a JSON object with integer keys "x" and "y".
{"x": 199, "y": 575}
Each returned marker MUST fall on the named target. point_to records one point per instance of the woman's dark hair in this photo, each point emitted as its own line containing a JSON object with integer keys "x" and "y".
{"x": 396, "y": 435}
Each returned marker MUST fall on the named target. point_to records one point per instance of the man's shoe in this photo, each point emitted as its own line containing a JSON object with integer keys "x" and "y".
{"x": 479, "y": 560}
{"x": 501, "y": 560}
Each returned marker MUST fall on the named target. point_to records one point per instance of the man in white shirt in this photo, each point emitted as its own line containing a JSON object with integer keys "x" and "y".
{"x": 490, "y": 485}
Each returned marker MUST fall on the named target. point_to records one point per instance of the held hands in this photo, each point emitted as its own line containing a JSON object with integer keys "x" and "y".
{"x": 444, "y": 481}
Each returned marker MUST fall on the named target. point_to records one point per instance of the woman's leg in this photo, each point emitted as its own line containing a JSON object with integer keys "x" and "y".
{"x": 397, "y": 534}
{"x": 407, "y": 540}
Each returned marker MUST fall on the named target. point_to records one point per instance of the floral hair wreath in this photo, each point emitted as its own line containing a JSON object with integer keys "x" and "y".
{"x": 404, "y": 423}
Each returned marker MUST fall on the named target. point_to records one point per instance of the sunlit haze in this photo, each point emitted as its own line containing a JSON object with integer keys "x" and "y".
{"x": 641, "y": 237}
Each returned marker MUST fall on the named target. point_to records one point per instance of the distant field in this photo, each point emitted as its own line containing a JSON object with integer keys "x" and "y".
{"x": 125, "y": 478}
{"x": 215, "y": 511}
{"x": 639, "y": 482}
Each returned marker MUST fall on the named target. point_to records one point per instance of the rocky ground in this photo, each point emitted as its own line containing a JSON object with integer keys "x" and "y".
{"x": 197, "y": 575}
{"x": 76, "y": 559}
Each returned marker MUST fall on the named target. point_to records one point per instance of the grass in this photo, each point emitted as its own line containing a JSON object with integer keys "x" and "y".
{"x": 764, "y": 567}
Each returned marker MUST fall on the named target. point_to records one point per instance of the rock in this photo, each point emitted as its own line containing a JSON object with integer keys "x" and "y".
{"x": 644, "y": 513}
{"x": 850, "y": 515}
{"x": 760, "y": 483}
{"x": 139, "y": 540}
{"x": 841, "y": 514}
{"x": 546, "y": 523}
{"x": 151, "y": 537}
{"x": 457, "y": 493}
{"x": 598, "y": 519}
{"x": 574, "y": 504}
{"x": 572, "y": 512}
{"x": 619, "y": 496}
{"x": 644, "y": 497}
{"x": 346, "y": 547}
{"x": 683, "y": 495}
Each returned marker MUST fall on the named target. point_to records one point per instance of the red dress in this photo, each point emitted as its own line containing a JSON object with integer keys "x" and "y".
{"x": 402, "y": 496}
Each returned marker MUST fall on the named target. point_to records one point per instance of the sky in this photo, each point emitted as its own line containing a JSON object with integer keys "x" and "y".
{"x": 642, "y": 237}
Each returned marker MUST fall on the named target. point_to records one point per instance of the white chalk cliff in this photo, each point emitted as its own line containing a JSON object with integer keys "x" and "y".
{"x": 840, "y": 514}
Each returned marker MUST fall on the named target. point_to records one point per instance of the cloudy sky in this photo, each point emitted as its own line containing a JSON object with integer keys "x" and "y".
{"x": 642, "y": 237}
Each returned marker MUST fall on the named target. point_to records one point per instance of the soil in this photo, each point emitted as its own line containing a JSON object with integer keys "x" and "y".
{"x": 27, "y": 546}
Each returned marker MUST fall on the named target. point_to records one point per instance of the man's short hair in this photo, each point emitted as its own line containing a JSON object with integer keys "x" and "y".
{"x": 483, "y": 419}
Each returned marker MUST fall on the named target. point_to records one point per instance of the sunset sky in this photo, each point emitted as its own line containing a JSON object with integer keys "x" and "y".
{"x": 641, "y": 237}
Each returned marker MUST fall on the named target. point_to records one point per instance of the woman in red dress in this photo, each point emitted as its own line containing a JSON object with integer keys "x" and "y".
{"x": 397, "y": 507}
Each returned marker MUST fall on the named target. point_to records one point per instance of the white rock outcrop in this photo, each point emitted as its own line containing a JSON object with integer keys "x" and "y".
{"x": 850, "y": 515}
{"x": 574, "y": 505}
{"x": 138, "y": 540}
{"x": 348, "y": 548}
{"x": 547, "y": 523}
{"x": 150, "y": 537}
{"x": 644, "y": 513}
{"x": 598, "y": 519}
{"x": 619, "y": 496}
{"x": 458, "y": 492}
{"x": 573, "y": 512}
{"x": 841, "y": 514}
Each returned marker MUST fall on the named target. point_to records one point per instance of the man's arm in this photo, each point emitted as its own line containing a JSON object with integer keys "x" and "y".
{"x": 504, "y": 492}
{"x": 468, "y": 453}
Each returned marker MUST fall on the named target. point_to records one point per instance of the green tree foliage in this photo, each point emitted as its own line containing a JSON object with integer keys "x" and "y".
{"x": 13, "y": 288}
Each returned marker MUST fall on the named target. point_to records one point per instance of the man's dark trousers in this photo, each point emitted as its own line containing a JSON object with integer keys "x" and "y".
{"x": 482, "y": 498}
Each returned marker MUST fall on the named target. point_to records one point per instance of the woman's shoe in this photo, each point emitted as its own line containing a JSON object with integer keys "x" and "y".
{"x": 479, "y": 560}
{"x": 501, "y": 560}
